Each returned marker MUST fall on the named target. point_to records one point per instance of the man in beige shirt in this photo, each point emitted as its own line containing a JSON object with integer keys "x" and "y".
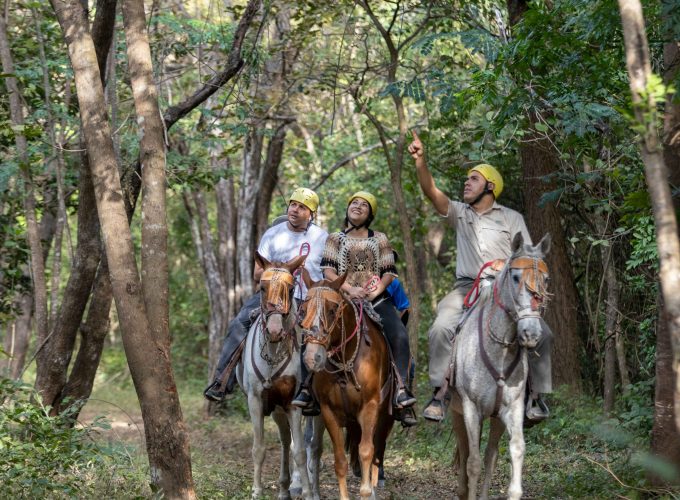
{"x": 484, "y": 232}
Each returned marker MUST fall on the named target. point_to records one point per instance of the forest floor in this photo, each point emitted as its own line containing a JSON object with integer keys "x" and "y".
{"x": 418, "y": 462}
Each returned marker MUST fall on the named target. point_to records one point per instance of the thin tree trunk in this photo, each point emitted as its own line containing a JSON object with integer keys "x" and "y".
{"x": 611, "y": 319}
{"x": 166, "y": 436}
{"x": 167, "y": 445}
{"x": 51, "y": 376}
{"x": 269, "y": 178}
{"x": 656, "y": 174}
{"x": 395, "y": 163}
{"x": 17, "y": 338}
{"x": 247, "y": 204}
{"x": 32, "y": 231}
{"x": 621, "y": 356}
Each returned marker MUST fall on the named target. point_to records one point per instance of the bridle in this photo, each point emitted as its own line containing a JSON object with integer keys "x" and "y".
{"x": 316, "y": 297}
{"x": 279, "y": 293}
{"x": 344, "y": 362}
{"x": 534, "y": 278}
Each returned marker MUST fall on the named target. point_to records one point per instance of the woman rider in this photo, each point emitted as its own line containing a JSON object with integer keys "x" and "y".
{"x": 366, "y": 256}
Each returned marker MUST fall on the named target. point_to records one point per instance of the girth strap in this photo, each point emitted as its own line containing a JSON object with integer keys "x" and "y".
{"x": 500, "y": 378}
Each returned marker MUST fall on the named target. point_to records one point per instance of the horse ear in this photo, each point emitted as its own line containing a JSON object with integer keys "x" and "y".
{"x": 545, "y": 243}
{"x": 262, "y": 262}
{"x": 293, "y": 264}
{"x": 517, "y": 242}
{"x": 335, "y": 285}
{"x": 307, "y": 278}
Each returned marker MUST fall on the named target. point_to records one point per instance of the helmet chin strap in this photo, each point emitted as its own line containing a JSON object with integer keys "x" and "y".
{"x": 481, "y": 195}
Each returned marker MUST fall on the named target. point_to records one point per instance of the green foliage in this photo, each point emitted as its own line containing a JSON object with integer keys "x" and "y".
{"x": 44, "y": 456}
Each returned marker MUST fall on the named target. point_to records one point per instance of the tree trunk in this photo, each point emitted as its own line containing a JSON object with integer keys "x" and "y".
{"x": 17, "y": 338}
{"x": 611, "y": 320}
{"x": 32, "y": 230}
{"x": 665, "y": 435}
{"x": 656, "y": 174}
{"x": 537, "y": 162}
{"x": 247, "y": 203}
{"x": 166, "y": 440}
{"x": 51, "y": 376}
{"x": 269, "y": 178}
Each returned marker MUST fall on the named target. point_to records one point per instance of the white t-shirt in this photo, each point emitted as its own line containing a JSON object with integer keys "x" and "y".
{"x": 280, "y": 244}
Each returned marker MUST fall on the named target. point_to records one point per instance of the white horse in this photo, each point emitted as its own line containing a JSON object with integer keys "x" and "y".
{"x": 269, "y": 373}
{"x": 491, "y": 366}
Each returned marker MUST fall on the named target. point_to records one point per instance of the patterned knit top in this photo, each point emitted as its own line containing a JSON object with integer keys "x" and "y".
{"x": 361, "y": 258}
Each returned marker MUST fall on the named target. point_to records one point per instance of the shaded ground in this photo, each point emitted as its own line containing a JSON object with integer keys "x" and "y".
{"x": 417, "y": 463}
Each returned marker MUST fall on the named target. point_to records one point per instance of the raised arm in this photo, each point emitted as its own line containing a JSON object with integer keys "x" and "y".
{"x": 439, "y": 200}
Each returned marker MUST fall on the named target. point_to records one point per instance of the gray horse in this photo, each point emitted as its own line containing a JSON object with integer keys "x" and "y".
{"x": 491, "y": 366}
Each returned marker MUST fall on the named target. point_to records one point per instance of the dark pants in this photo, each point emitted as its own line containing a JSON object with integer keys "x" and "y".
{"x": 236, "y": 331}
{"x": 540, "y": 372}
{"x": 397, "y": 337}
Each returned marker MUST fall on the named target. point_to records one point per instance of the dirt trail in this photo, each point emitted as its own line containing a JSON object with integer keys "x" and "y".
{"x": 222, "y": 463}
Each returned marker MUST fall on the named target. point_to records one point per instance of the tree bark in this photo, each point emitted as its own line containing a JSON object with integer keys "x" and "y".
{"x": 656, "y": 174}
{"x": 537, "y": 162}
{"x": 665, "y": 435}
{"x": 166, "y": 440}
{"x": 611, "y": 320}
{"x": 51, "y": 376}
{"x": 17, "y": 338}
{"x": 32, "y": 230}
{"x": 395, "y": 163}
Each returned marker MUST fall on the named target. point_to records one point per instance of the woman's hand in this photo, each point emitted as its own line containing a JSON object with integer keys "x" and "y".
{"x": 356, "y": 293}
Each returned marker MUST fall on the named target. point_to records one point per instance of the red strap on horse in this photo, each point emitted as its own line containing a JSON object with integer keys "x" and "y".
{"x": 469, "y": 301}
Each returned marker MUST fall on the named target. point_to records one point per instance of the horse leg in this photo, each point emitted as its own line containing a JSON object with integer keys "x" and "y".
{"x": 257, "y": 419}
{"x": 314, "y": 440}
{"x": 338, "y": 440}
{"x": 462, "y": 453}
{"x": 299, "y": 455}
{"x": 474, "y": 461}
{"x": 513, "y": 422}
{"x": 284, "y": 435}
{"x": 496, "y": 430}
{"x": 367, "y": 418}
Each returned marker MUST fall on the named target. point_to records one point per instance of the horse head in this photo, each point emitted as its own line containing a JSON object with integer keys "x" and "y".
{"x": 522, "y": 289}
{"x": 321, "y": 314}
{"x": 277, "y": 285}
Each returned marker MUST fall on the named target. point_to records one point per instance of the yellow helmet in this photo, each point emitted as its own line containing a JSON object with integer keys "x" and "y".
{"x": 372, "y": 201}
{"x": 491, "y": 175}
{"x": 305, "y": 196}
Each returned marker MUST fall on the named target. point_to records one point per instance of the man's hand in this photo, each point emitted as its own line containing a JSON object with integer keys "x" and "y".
{"x": 416, "y": 149}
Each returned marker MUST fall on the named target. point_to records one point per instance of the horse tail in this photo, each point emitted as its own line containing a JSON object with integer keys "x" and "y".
{"x": 352, "y": 440}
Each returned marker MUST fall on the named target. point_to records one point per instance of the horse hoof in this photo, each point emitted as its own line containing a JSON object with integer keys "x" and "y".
{"x": 257, "y": 494}
{"x": 381, "y": 483}
{"x": 295, "y": 491}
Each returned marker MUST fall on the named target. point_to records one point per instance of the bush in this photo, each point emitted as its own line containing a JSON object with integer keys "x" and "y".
{"x": 46, "y": 456}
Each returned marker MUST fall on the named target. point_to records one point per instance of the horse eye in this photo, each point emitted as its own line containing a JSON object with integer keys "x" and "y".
{"x": 515, "y": 278}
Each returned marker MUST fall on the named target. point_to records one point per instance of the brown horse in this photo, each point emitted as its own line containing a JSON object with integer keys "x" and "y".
{"x": 352, "y": 382}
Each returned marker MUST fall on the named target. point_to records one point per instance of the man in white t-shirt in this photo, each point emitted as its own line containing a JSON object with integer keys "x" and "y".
{"x": 280, "y": 243}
